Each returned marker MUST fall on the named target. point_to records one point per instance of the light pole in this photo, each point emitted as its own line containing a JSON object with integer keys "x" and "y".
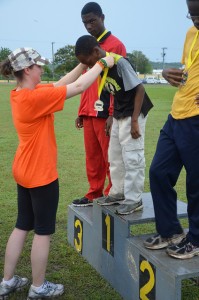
{"x": 163, "y": 56}
{"x": 53, "y": 59}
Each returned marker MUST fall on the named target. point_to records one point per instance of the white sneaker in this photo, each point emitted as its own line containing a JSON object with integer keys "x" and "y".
{"x": 18, "y": 284}
{"x": 157, "y": 242}
{"x": 48, "y": 290}
{"x": 126, "y": 209}
{"x": 109, "y": 200}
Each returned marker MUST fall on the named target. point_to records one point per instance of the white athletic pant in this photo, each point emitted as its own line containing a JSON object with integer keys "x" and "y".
{"x": 127, "y": 161}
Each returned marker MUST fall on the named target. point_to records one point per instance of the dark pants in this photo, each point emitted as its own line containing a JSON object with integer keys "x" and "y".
{"x": 178, "y": 146}
{"x": 37, "y": 208}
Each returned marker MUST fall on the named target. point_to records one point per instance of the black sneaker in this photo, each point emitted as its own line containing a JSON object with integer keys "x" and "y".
{"x": 157, "y": 242}
{"x": 82, "y": 202}
{"x": 183, "y": 250}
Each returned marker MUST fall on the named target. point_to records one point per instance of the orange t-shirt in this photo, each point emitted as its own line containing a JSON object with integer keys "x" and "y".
{"x": 35, "y": 162}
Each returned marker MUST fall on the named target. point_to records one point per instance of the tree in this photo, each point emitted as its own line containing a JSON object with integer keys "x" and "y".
{"x": 47, "y": 74}
{"x": 47, "y": 70}
{"x": 65, "y": 59}
{"x": 140, "y": 62}
{"x": 4, "y": 52}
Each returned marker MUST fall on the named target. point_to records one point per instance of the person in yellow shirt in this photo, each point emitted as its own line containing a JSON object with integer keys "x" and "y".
{"x": 178, "y": 147}
{"x": 35, "y": 164}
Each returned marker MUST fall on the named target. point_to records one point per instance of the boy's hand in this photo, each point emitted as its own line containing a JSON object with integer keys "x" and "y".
{"x": 173, "y": 76}
{"x": 197, "y": 100}
{"x": 79, "y": 122}
{"x": 108, "y": 125}
{"x": 135, "y": 131}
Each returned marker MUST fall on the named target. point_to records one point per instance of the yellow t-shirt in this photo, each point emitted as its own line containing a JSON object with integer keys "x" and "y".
{"x": 184, "y": 100}
{"x": 36, "y": 156}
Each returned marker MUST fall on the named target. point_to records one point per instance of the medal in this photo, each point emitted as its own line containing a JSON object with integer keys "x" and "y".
{"x": 99, "y": 105}
{"x": 184, "y": 77}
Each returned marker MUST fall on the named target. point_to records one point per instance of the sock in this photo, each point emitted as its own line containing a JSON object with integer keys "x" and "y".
{"x": 9, "y": 282}
{"x": 37, "y": 288}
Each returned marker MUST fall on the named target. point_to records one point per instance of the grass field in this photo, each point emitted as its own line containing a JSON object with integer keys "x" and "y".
{"x": 65, "y": 265}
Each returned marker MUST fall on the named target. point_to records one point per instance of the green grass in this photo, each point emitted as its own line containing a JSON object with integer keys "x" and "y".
{"x": 65, "y": 265}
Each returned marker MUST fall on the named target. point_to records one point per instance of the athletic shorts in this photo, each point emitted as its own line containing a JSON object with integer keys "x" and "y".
{"x": 37, "y": 208}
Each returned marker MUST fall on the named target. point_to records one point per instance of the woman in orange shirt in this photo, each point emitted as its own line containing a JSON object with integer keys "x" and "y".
{"x": 34, "y": 166}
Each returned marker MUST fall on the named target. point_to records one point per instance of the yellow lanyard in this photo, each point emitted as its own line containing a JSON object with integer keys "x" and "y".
{"x": 101, "y": 36}
{"x": 101, "y": 82}
{"x": 190, "y": 60}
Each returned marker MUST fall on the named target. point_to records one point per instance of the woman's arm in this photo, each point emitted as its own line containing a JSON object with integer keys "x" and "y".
{"x": 71, "y": 76}
{"x": 82, "y": 83}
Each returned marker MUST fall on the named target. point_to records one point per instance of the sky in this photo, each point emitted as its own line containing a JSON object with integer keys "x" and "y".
{"x": 142, "y": 25}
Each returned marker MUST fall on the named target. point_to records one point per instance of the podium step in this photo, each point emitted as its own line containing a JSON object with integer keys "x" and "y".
{"x": 176, "y": 267}
{"x": 85, "y": 213}
{"x": 162, "y": 274}
{"x": 147, "y": 214}
{"x": 104, "y": 240}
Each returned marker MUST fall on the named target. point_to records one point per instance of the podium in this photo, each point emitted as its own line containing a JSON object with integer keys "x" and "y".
{"x": 105, "y": 241}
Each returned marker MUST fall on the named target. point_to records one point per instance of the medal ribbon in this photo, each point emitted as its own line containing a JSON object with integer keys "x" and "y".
{"x": 101, "y": 81}
{"x": 190, "y": 60}
{"x": 101, "y": 36}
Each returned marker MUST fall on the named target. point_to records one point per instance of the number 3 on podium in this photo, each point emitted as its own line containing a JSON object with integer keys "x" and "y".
{"x": 78, "y": 234}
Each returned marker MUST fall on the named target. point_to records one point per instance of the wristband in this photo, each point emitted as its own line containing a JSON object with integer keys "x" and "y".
{"x": 103, "y": 61}
{"x": 101, "y": 64}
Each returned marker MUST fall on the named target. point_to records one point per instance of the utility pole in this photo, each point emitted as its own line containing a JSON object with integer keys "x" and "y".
{"x": 53, "y": 67}
{"x": 163, "y": 56}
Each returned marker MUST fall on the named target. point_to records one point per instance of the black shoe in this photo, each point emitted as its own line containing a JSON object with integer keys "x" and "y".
{"x": 82, "y": 202}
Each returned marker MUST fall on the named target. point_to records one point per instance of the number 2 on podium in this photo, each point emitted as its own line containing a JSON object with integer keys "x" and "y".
{"x": 147, "y": 280}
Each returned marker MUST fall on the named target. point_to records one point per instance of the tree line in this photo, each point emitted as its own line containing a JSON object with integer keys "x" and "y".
{"x": 65, "y": 60}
